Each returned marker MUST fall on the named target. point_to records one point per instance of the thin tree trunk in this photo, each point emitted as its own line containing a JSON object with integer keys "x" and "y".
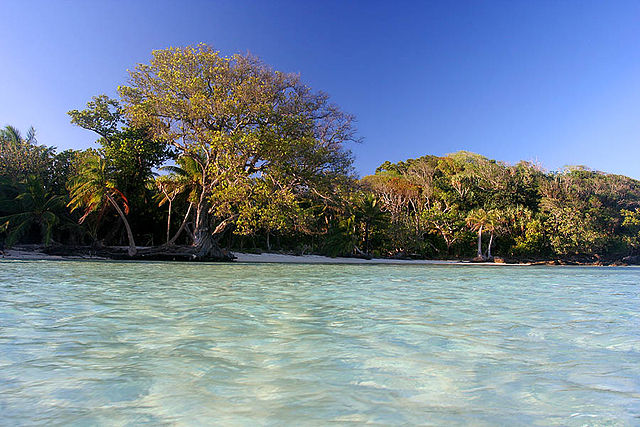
{"x": 480, "y": 242}
{"x": 132, "y": 244}
{"x": 189, "y": 229}
{"x": 201, "y": 235}
{"x": 202, "y": 238}
{"x": 366, "y": 236}
{"x": 489, "y": 248}
{"x": 169, "y": 221}
{"x": 182, "y": 226}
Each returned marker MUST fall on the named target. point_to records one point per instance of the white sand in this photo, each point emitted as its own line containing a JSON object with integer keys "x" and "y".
{"x": 12, "y": 254}
{"x": 318, "y": 259}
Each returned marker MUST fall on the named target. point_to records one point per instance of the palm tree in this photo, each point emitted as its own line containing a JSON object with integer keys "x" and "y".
{"x": 94, "y": 188}
{"x": 33, "y": 206}
{"x": 12, "y": 134}
{"x": 480, "y": 220}
{"x": 368, "y": 212}
{"x": 186, "y": 177}
{"x": 170, "y": 188}
{"x": 492, "y": 226}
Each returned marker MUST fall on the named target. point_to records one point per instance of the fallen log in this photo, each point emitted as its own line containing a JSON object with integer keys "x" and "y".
{"x": 156, "y": 253}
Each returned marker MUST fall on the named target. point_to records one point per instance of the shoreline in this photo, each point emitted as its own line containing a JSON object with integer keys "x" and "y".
{"x": 35, "y": 254}
{"x": 270, "y": 257}
{"x": 249, "y": 258}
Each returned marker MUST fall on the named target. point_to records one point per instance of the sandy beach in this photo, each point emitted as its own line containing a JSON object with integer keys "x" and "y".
{"x": 319, "y": 259}
{"x": 242, "y": 257}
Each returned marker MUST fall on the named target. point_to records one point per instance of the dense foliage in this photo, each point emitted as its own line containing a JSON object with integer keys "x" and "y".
{"x": 440, "y": 205}
{"x": 262, "y": 141}
{"x": 214, "y": 152}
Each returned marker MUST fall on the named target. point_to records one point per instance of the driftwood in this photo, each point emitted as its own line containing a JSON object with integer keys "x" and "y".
{"x": 156, "y": 253}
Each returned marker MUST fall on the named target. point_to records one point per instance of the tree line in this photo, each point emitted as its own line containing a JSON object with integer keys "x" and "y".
{"x": 211, "y": 154}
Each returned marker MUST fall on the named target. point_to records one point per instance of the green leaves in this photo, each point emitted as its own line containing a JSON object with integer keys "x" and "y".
{"x": 577, "y": 211}
{"x": 33, "y": 207}
{"x": 93, "y": 185}
{"x": 261, "y": 139}
{"x": 103, "y": 115}
{"x": 21, "y": 156}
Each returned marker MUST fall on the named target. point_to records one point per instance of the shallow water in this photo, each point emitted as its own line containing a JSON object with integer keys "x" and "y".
{"x": 117, "y": 343}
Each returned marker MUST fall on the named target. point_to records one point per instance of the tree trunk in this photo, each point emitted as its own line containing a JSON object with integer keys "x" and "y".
{"x": 268, "y": 242}
{"x": 203, "y": 241}
{"x": 201, "y": 232}
{"x": 201, "y": 235}
{"x": 366, "y": 236}
{"x": 489, "y": 248}
{"x": 169, "y": 221}
{"x": 205, "y": 244}
{"x": 480, "y": 242}
{"x": 189, "y": 229}
{"x": 132, "y": 244}
{"x": 182, "y": 226}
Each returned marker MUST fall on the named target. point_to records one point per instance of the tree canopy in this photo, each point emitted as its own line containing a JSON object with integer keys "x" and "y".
{"x": 251, "y": 130}
{"x": 206, "y": 153}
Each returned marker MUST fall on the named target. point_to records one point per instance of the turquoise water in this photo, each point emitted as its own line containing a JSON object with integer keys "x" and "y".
{"x": 116, "y": 343}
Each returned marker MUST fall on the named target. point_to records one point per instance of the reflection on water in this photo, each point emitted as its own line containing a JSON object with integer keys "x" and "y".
{"x": 130, "y": 343}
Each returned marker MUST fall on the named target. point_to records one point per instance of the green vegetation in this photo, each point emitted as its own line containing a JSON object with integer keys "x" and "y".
{"x": 438, "y": 202}
{"x": 209, "y": 154}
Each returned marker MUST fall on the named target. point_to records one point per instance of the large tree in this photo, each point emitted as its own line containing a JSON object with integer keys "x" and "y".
{"x": 242, "y": 123}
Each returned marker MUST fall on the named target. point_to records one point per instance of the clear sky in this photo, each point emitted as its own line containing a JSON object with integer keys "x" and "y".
{"x": 552, "y": 81}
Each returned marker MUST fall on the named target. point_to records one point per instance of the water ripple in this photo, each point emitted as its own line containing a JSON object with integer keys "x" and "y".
{"x": 116, "y": 343}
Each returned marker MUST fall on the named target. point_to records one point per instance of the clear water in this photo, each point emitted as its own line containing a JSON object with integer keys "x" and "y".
{"x": 113, "y": 343}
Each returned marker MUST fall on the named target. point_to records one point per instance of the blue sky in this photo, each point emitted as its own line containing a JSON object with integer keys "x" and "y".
{"x": 557, "y": 82}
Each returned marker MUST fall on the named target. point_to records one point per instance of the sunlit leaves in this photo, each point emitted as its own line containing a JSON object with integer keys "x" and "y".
{"x": 260, "y": 137}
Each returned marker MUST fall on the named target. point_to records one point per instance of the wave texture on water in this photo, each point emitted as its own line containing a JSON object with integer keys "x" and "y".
{"x": 170, "y": 343}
